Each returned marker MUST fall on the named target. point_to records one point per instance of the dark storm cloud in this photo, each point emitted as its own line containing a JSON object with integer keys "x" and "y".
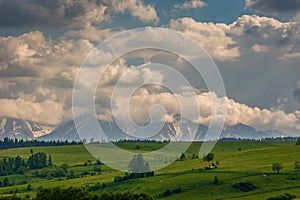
{"x": 275, "y": 6}
{"x": 44, "y": 12}
{"x": 296, "y": 95}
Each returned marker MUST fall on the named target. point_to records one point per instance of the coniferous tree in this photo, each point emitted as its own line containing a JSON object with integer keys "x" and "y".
{"x": 50, "y": 161}
{"x": 5, "y": 182}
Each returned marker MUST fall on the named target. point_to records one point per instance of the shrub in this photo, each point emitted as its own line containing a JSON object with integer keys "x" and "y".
{"x": 216, "y": 180}
{"x": 58, "y": 173}
{"x": 209, "y": 157}
{"x": 81, "y": 193}
{"x": 14, "y": 197}
{"x": 244, "y": 186}
{"x": 277, "y": 167}
{"x": 64, "y": 167}
{"x": 97, "y": 169}
{"x": 167, "y": 193}
{"x": 286, "y": 196}
{"x": 29, "y": 187}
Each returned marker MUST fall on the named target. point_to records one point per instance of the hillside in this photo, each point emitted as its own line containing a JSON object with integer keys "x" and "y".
{"x": 239, "y": 161}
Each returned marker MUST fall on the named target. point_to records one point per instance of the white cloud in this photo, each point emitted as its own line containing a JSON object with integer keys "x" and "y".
{"x": 289, "y": 56}
{"x": 90, "y": 33}
{"x": 137, "y": 8}
{"x": 142, "y": 101}
{"x": 210, "y": 36}
{"x": 262, "y": 119}
{"x": 255, "y": 33}
{"x": 260, "y": 48}
{"x": 31, "y": 54}
{"x": 29, "y": 107}
{"x": 191, "y": 4}
{"x": 38, "y": 76}
{"x": 51, "y": 66}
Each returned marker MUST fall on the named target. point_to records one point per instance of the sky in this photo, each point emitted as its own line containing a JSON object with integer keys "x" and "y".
{"x": 254, "y": 43}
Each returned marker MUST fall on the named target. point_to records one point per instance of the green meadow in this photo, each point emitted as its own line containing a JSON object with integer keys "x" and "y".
{"x": 239, "y": 161}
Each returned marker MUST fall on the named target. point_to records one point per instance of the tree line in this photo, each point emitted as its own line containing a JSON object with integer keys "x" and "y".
{"x": 17, "y": 164}
{"x": 79, "y": 193}
{"x": 8, "y": 143}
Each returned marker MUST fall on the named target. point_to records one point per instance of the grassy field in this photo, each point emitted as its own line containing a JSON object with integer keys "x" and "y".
{"x": 240, "y": 161}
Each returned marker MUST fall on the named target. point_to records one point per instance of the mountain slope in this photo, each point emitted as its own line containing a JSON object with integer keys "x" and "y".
{"x": 170, "y": 131}
{"x": 22, "y": 129}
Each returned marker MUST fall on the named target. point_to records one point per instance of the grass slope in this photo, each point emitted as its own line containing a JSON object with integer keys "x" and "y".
{"x": 239, "y": 161}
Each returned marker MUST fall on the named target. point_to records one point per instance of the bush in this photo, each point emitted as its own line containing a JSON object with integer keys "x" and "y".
{"x": 85, "y": 173}
{"x": 169, "y": 192}
{"x": 97, "y": 169}
{"x": 21, "y": 170}
{"x": 244, "y": 186}
{"x": 286, "y": 196}
{"x": 65, "y": 167}
{"x": 14, "y": 197}
{"x": 133, "y": 176}
{"x": 58, "y": 173}
{"x": 81, "y": 193}
{"x": 277, "y": 167}
{"x": 29, "y": 187}
{"x": 216, "y": 180}
{"x": 209, "y": 157}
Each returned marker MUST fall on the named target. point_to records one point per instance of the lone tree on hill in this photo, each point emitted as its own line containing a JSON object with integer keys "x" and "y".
{"x": 209, "y": 157}
{"x": 277, "y": 167}
{"x": 138, "y": 164}
{"x": 182, "y": 156}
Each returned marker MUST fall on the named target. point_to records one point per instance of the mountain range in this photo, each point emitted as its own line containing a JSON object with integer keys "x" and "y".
{"x": 23, "y": 129}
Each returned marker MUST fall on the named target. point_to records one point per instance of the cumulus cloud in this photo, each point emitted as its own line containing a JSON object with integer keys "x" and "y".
{"x": 248, "y": 32}
{"x": 191, "y": 4}
{"x": 289, "y": 56}
{"x": 145, "y": 13}
{"x": 32, "y": 54}
{"x": 266, "y": 34}
{"x": 90, "y": 33}
{"x": 263, "y": 30}
{"x": 76, "y": 13}
{"x": 37, "y": 73}
{"x": 35, "y": 107}
{"x": 260, "y": 48}
{"x": 44, "y": 69}
{"x": 144, "y": 99}
{"x": 236, "y": 112}
{"x": 277, "y": 7}
{"x": 210, "y": 36}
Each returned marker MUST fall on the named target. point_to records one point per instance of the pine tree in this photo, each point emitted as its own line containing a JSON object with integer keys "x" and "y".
{"x": 50, "y": 161}
{"x": 137, "y": 164}
{"x": 216, "y": 180}
{"x": 182, "y": 157}
{"x": 5, "y": 182}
